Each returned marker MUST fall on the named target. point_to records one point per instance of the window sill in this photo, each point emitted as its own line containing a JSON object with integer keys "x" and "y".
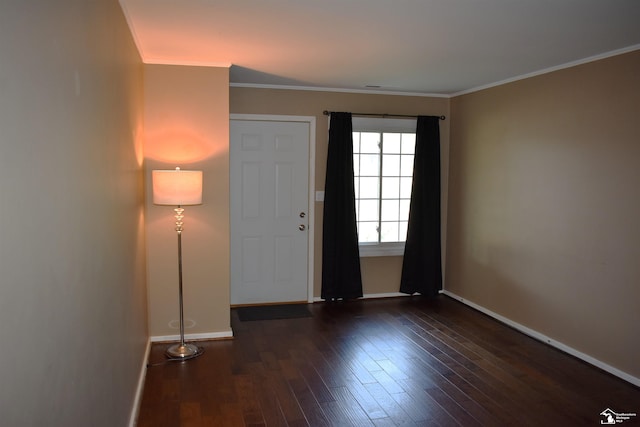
{"x": 393, "y": 249}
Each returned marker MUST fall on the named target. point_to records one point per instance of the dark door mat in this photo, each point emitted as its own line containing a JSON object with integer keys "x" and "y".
{"x": 271, "y": 312}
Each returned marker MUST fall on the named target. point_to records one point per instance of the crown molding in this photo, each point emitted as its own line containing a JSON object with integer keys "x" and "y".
{"x": 160, "y": 61}
{"x": 343, "y": 90}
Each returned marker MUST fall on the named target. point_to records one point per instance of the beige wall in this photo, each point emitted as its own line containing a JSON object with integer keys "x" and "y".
{"x": 187, "y": 125}
{"x": 72, "y": 287}
{"x": 379, "y": 274}
{"x": 544, "y": 206}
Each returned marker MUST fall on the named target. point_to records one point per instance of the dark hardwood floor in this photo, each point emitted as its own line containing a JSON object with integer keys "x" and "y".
{"x": 392, "y": 362}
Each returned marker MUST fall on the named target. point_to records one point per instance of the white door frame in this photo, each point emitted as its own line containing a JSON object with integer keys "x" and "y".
{"x": 311, "y": 120}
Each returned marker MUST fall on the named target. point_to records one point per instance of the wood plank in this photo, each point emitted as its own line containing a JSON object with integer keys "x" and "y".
{"x": 391, "y": 362}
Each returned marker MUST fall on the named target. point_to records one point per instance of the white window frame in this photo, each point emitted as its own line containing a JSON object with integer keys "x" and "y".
{"x": 379, "y": 124}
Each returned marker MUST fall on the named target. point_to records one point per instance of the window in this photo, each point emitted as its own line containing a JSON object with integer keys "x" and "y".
{"x": 383, "y": 152}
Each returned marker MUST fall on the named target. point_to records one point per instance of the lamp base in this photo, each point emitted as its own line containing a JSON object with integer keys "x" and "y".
{"x": 183, "y": 352}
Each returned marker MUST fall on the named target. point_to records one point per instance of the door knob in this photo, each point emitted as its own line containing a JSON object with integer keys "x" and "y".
{"x": 302, "y": 227}
{"x": 302, "y": 214}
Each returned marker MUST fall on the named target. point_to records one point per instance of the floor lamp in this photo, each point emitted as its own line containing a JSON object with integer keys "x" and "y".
{"x": 178, "y": 188}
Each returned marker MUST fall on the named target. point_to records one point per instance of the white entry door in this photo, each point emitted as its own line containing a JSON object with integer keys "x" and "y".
{"x": 269, "y": 167}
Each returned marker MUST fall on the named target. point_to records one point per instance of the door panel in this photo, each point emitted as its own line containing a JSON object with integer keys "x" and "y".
{"x": 269, "y": 190}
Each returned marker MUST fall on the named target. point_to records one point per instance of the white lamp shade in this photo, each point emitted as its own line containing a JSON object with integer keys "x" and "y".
{"x": 177, "y": 187}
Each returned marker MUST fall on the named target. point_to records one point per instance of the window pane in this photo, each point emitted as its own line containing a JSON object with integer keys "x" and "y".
{"x": 389, "y": 232}
{"x": 390, "y": 210}
{"x": 404, "y": 209}
{"x": 406, "y": 165}
{"x": 391, "y": 143}
{"x": 369, "y": 164}
{"x": 369, "y": 188}
{"x": 368, "y": 210}
{"x": 383, "y": 170}
{"x": 405, "y": 188}
{"x": 408, "y": 143}
{"x": 390, "y": 165}
{"x": 368, "y": 232}
{"x": 356, "y": 142}
{"x": 391, "y": 188}
{"x": 369, "y": 142}
{"x": 402, "y": 232}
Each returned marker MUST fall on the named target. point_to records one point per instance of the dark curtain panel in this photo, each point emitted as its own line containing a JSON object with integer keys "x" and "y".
{"x": 341, "y": 276}
{"x": 421, "y": 266}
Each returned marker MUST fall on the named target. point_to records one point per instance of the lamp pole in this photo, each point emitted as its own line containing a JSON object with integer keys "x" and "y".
{"x": 181, "y": 351}
{"x": 179, "y": 188}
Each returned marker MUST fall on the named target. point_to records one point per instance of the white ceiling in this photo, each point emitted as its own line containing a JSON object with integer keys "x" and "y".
{"x": 416, "y": 46}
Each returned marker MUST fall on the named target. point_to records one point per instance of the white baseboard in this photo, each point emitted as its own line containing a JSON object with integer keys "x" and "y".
{"x": 385, "y": 295}
{"x": 373, "y": 296}
{"x": 204, "y": 336}
{"x": 541, "y": 337}
{"x": 133, "y": 418}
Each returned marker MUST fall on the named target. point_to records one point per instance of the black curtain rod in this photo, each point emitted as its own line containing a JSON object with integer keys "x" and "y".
{"x": 327, "y": 113}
